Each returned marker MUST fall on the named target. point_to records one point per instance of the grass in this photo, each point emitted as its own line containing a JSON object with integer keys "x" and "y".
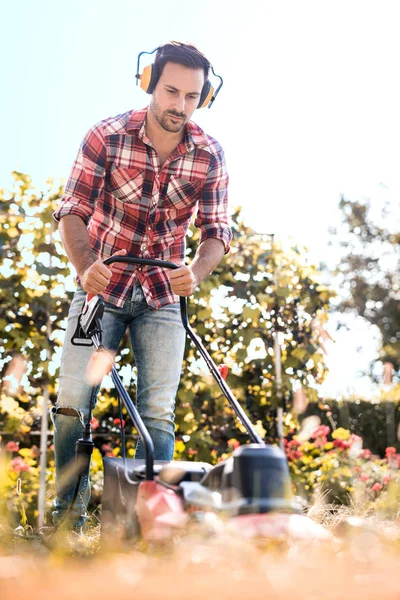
{"x": 359, "y": 560}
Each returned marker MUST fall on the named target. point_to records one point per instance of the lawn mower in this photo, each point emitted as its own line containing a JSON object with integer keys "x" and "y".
{"x": 152, "y": 499}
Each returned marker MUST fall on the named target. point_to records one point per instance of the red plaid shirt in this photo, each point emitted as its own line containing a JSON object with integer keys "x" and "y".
{"x": 128, "y": 202}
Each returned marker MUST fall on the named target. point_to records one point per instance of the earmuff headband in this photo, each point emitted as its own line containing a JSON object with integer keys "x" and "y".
{"x": 148, "y": 80}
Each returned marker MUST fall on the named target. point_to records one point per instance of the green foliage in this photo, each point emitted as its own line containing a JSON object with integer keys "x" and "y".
{"x": 259, "y": 291}
{"x": 33, "y": 298}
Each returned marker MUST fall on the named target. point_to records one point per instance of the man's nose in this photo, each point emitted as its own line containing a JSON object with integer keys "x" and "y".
{"x": 180, "y": 103}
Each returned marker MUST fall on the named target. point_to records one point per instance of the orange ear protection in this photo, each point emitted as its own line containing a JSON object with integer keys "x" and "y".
{"x": 151, "y": 74}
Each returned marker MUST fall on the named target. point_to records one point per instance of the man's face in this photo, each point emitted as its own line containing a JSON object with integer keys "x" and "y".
{"x": 176, "y": 96}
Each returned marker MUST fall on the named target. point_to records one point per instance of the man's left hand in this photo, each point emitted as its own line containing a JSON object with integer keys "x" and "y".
{"x": 183, "y": 281}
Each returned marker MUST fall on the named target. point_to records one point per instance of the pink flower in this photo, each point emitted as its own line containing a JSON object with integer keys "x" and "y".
{"x": 385, "y": 479}
{"x": 377, "y": 487}
{"x": 117, "y": 421}
{"x": 19, "y": 465}
{"x": 355, "y": 439}
{"x": 364, "y": 477}
{"x": 320, "y": 441}
{"x": 12, "y": 446}
{"x": 321, "y": 431}
{"x": 294, "y": 444}
{"x": 366, "y": 454}
{"x": 192, "y": 452}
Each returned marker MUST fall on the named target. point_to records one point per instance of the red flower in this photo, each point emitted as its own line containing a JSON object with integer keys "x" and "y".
{"x": 12, "y": 446}
{"x": 192, "y": 452}
{"x": 94, "y": 423}
{"x": 19, "y": 465}
{"x": 295, "y": 454}
{"x": 342, "y": 444}
{"x": 117, "y": 421}
{"x": 106, "y": 448}
{"x": 377, "y": 487}
{"x": 390, "y": 451}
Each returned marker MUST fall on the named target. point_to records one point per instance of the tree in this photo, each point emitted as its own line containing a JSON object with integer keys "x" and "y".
{"x": 369, "y": 270}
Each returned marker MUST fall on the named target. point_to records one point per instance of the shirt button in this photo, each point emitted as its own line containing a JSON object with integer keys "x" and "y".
{"x": 149, "y": 228}
{"x": 143, "y": 247}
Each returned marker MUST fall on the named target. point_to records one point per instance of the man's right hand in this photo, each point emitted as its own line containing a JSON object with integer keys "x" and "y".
{"x": 97, "y": 277}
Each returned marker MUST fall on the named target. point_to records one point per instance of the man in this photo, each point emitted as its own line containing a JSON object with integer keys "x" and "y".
{"x": 136, "y": 182}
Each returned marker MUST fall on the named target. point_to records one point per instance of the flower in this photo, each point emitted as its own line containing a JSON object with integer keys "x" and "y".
{"x": 94, "y": 423}
{"x": 117, "y": 421}
{"x": 294, "y": 455}
{"x": 233, "y": 443}
{"x": 321, "y": 431}
{"x": 19, "y": 465}
{"x": 293, "y": 444}
{"x": 341, "y": 434}
{"x": 366, "y": 454}
{"x": 377, "y": 487}
{"x": 390, "y": 451}
{"x": 12, "y": 446}
{"x": 341, "y": 444}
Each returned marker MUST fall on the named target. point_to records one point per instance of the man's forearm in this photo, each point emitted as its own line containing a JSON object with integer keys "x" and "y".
{"x": 75, "y": 239}
{"x": 209, "y": 254}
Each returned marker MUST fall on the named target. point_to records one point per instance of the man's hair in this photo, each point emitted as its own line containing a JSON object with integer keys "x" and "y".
{"x": 182, "y": 54}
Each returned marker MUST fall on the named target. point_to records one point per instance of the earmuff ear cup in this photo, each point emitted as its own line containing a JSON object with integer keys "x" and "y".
{"x": 206, "y": 94}
{"x": 149, "y": 78}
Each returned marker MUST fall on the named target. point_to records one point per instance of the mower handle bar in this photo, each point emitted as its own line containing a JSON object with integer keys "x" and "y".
{"x": 132, "y": 260}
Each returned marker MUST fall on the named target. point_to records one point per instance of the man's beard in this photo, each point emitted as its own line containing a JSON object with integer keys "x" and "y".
{"x": 163, "y": 119}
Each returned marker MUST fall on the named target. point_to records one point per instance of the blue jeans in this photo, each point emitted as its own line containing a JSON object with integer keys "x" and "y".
{"x": 158, "y": 341}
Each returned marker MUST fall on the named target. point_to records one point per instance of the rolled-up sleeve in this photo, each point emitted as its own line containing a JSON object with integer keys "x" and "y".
{"x": 86, "y": 181}
{"x": 212, "y": 216}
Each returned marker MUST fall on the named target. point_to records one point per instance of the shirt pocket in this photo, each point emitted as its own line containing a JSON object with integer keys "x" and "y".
{"x": 127, "y": 184}
{"x": 182, "y": 193}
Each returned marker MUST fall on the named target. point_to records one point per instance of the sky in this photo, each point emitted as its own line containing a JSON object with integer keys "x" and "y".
{"x": 309, "y": 109}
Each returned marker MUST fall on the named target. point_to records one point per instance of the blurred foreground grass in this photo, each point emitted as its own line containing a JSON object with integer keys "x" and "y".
{"x": 360, "y": 560}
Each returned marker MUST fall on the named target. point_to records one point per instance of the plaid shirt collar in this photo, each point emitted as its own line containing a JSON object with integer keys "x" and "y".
{"x": 194, "y": 135}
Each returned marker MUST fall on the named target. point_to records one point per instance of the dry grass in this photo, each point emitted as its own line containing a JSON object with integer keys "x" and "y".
{"x": 210, "y": 562}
